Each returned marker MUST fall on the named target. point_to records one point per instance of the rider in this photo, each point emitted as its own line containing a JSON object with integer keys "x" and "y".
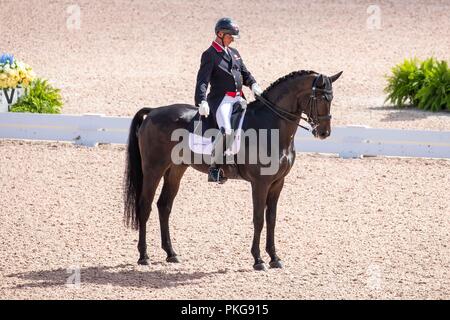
{"x": 223, "y": 68}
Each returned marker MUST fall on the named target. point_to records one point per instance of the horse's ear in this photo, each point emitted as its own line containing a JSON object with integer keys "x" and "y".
{"x": 336, "y": 76}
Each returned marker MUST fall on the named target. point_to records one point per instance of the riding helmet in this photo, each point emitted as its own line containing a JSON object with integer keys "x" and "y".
{"x": 228, "y": 26}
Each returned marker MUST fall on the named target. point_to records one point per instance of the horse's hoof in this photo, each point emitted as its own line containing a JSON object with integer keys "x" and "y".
{"x": 277, "y": 264}
{"x": 260, "y": 267}
{"x": 173, "y": 259}
{"x": 144, "y": 262}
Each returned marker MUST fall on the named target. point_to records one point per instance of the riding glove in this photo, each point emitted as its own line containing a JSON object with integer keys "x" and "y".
{"x": 203, "y": 108}
{"x": 243, "y": 103}
{"x": 256, "y": 89}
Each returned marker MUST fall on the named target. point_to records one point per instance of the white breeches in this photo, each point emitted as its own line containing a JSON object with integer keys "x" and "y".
{"x": 223, "y": 113}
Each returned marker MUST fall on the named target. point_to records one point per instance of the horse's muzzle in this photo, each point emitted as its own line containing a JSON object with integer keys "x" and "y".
{"x": 321, "y": 134}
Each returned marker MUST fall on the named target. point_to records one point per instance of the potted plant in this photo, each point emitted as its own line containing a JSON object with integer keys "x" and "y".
{"x": 15, "y": 77}
{"x": 39, "y": 97}
{"x": 424, "y": 84}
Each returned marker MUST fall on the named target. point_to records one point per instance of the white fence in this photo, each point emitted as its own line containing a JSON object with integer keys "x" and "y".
{"x": 86, "y": 129}
{"x": 90, "y": 130}
{"x": 355, "y": 141}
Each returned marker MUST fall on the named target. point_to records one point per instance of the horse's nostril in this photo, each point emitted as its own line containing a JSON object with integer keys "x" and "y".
{"x": 324, "y": 134}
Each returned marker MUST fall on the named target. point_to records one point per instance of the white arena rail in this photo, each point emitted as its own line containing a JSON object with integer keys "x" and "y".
{"x": 88, "y": 129}
{"x": 347, "y": 142}
{"x": 356, "y": 141}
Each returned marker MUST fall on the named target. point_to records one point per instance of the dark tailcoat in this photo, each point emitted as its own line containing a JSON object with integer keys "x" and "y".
{"x": 224, "y": 73}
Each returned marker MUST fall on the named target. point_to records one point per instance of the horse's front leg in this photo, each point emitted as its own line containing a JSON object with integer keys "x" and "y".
{"x": 259, "y": 191}
{"x": 271, "y": 217}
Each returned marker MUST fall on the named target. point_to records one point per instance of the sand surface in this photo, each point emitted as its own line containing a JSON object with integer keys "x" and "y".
{"x": 370, "y": 228}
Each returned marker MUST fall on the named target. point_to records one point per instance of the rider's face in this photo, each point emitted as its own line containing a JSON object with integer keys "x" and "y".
{"x": 227, "y": 39}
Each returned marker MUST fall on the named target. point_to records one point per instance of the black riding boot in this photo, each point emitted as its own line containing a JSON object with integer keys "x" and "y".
{"x": 215, "y": 173}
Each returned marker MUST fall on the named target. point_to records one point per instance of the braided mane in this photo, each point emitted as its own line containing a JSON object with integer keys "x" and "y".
{"x": 287, "y": 77}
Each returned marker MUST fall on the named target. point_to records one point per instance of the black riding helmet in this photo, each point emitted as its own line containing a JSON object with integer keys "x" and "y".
{"x": 227, "y": 26}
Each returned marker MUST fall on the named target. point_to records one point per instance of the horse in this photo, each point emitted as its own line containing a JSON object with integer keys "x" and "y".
{"x": 280, "y": 107}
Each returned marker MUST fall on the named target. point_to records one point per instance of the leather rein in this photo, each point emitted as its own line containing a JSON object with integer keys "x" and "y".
{"x": 312, "y": 117}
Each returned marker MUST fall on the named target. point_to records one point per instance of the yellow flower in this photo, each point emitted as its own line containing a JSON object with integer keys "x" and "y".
{"x": 19, "y": 74}
{"x": 26, "y": 82}
{"x": 22, "y": 73}
{"x": 14, "y": 74}
{"x": 14, "y": 81}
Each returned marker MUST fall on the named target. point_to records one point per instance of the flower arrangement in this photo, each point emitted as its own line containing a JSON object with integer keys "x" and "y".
{"x": 14, "y": 73}
{"x": 22, "y": 91}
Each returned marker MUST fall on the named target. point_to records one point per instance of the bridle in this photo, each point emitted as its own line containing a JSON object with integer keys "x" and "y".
{"x": 312, "y": 117}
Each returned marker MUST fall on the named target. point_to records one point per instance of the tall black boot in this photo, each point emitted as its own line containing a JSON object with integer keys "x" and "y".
{"x": 215, "y": 172}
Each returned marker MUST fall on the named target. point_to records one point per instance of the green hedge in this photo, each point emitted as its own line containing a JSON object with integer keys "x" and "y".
{"x": 424, "y": 84}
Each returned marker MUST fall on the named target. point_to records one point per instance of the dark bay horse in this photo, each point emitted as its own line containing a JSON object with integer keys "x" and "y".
{"x": 281, "y": 107}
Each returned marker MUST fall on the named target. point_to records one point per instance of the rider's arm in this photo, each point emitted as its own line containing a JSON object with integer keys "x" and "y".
{"x": 247, "y": 76}
{"x": 203, "y": 77}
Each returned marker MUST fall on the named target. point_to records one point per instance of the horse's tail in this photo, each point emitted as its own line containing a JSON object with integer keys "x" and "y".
{"x": 133, "y": 172}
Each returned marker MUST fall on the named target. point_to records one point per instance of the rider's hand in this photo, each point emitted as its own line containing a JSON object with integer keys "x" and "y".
{"x": 243, "y": 103}
{"x": 203, "y": 108}
{"x": 256, "y": 89}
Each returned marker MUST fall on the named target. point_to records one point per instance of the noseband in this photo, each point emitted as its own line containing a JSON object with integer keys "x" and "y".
{"x": 312, "y": 117}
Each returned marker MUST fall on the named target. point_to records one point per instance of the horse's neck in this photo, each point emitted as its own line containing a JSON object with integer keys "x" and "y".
{"x": 270, "y": 120}
{"x": 283, "y": 94}
{"x": 288, "y": 99}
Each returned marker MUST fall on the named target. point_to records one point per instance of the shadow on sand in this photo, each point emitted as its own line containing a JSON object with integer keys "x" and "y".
{"x": 409, "y": 113}
{"x": 125, "y": 275}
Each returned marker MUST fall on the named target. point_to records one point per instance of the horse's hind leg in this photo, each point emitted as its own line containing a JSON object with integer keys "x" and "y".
{"x": 150, "y": 184}
{"x": 172, "y": 179}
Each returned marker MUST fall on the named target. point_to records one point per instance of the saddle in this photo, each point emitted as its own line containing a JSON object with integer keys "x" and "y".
{"x": 201, "y": 140}
{"x": 210, "y": 122}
